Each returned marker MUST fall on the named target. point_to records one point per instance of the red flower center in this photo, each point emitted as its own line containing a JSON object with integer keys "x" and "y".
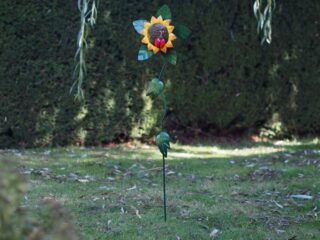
{"x": 159, "y": 43}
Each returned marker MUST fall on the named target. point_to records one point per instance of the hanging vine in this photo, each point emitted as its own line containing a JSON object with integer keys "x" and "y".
{"x": 88, "y": 17}
{"x": 264, "y": 19}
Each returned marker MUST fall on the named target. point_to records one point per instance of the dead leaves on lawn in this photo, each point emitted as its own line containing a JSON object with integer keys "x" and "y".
{"x": 46, "y": 173}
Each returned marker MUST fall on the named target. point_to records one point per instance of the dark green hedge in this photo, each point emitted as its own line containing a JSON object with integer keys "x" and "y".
{"x": 224, "y": 79}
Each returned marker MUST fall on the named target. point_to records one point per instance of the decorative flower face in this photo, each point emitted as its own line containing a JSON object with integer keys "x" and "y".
{"x": 158, "y": 34}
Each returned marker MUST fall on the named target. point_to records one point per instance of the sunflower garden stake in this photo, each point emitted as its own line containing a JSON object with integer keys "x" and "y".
{"x": 158, "y": 38}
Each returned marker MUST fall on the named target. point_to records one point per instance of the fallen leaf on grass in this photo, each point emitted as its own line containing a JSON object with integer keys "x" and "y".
{"x": 137, "y": 213}
{"x": 192, "y": 178}
{"x": 48, "y": 198}
{"x": 122, "y": 210}
{"x": 17, "y": 153}
{"x": 170, "y": 173}
{"x": 301, "y": 196}
{"x": 47, "y": 152}
{"x": 278, "y": 204}
{"x": 251, "y": 165}
{"x": 44, "y": 172}
{"x": 137, "y": 170}
{"x": 95, "y": 199}
{"x": 132, "y": 188}
{"x": 105, "y": 188}
{"x": 26, "y": 170}
{"x": 184, "y": 213}
{"x": 214, "y": 233}
{"x": 83, "y": 180}
{"x": 262, "y": 173}
{"x": 279, "y": 231}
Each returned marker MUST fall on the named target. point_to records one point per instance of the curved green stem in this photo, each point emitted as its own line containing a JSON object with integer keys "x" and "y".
{"x": 165, "y": 109}
{"x": 163, "y": 66}
{"x": 162, "y": 96}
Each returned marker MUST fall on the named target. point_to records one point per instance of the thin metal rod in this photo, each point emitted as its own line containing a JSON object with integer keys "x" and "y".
{"x": 163, "y": 67}
{"x": 163, "y": 158}
{"x": 164, "y": 189}
{"x": 165, "y": 109}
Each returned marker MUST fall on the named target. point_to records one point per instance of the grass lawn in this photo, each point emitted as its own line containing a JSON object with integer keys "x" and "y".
{"x": 241, "y": 191}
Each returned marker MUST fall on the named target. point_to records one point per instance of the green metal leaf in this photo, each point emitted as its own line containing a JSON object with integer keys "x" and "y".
{"x": 155, "y": 87}
{"x": 163, "y": 143}
{"x": 165, "y": 12}
{"x": 182, "y": 32}
{"x": 144, "y": 53}
{"x": 171, "y": 56}
{"x": 138, "y": 25}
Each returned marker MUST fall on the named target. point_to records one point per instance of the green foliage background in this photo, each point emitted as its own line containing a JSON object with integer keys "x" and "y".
{"x": 224, "y": 80}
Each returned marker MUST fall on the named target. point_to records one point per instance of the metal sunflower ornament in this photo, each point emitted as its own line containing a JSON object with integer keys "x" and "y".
{"x": 158, "y": 34}
{"x": 158, "y": 38}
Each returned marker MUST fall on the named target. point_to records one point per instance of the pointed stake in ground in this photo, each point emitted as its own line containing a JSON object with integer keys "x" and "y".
{"x": 164, "y": 189}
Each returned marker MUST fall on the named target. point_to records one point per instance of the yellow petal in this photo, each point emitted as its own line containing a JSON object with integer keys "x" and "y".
{"x": 170, "y": 29}
{"x": 166, "y": 22}
{"x": 145, "y": 32}
{"x": 160, "y": 20}
{"x": 172, "y": 37}
{"x": 145, "y": 40}
{"x": 169, "y": 44}
{"x": 153, "y": 20}
{"x": 164, "y": 49}
{"x": 146, "y": 25}
{"x": 150, "y": 46}
{"x": 155, "y": 49}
